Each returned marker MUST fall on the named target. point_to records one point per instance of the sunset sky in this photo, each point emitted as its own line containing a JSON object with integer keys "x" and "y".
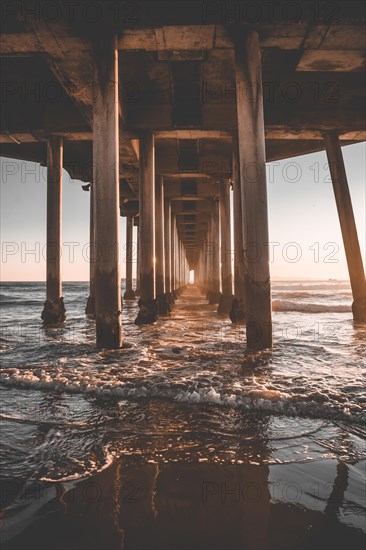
{"x": 303, "y": 221}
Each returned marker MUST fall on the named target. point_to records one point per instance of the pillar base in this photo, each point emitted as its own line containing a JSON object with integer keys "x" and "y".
{"x": 90, "y": 307}
{"x": 54, "y": 313}
{"x": 109, "y": 334}
{"x": 129, "y": 295}
{"x": 225, "y": 304}
{"x": 359, "y": 311}
{"x": 213, "y": 297}
{"x": 237, "y": 312}
{"x": 148, "y": 312}
{"x": 164, "y": 304}
{"x": 171, "y": 298}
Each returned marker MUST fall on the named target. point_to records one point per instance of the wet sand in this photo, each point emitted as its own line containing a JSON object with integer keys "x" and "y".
{"x": 137, "y": 505}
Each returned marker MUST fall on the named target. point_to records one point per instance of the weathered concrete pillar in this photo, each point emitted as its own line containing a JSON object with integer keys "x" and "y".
{"x": 180, "y": 261}
{"x": 348, "y": 226}
{"x": 214, "y": 253}
{"x": 168, "y": 252}
{"x": 137, "y": 290}
{"x": 180, "y": 264}
{"x": 167, "y": 244}
{"x": 90, "y": 304}
{"x": 159, "y": 237}
{"x": 106, "y": 189}
{"x": 203, "y": 269}
{"x": 208, "y": 259}
{"x": 253, "y": 188}
{"x": 160, "y": 267}
{"x": 226, "y": 297}
{"x": 173, "y": 251}
{"x": 54, "y": 309}
{"x": 129, "y": 293}
{"x": 177, "y": 270}
{"x": 147, "y": 302}
{"x": 176, "y": 259}
{"x": 238, "y": 308}
{"x": 199, "y": 275}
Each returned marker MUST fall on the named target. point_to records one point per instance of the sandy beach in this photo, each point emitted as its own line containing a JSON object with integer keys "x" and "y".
{"x": 134, "y": 504}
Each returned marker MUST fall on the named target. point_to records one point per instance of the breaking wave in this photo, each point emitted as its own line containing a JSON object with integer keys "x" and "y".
{"x": 288, "y": 305}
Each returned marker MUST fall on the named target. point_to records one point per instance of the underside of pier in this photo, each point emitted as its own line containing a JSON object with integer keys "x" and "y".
{"x": 164, "y": 109}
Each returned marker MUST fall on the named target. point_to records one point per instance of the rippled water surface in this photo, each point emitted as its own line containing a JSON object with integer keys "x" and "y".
{"x": 181, "y": 406}
{"x": 184, "y": 387}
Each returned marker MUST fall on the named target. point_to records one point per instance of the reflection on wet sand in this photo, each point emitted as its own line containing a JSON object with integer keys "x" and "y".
{"x": 139, "y": 505}
{"x": 153, "y": 498}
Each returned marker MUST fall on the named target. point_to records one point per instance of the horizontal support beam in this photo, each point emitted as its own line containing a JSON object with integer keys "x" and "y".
{"x": 179, "y": 42}
{"x": 193, "y": 134}
{"x": 40, "y": 135}
{"x": 271, "y": 133}
{"x": 183, "y": 198}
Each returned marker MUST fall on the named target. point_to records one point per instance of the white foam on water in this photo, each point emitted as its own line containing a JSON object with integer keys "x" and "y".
{"x": 252, "y": 396}
{"x": 288, "y": 305}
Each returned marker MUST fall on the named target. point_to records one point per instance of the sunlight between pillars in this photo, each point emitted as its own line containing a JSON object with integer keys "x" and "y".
{"x": 249, "y": 95}
{"x": 348, "y": 226}
{"x": 106, "y": 193}
{"x": 147, "y": 303}
{"x": 54, "y": 309}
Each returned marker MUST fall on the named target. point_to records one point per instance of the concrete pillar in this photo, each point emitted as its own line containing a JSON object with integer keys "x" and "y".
{"x": 176, "y": 260}
{"x": 147, "y": 302}
{"x": 159, "y": 237}
{"x": 178, "y": 263}
{"x": 348, "y": 226}
{"x": 160, "y": 267}
{"x": 177, "y": 267}
{"x": 214, "y": 253}
{"x": 90, "y": 304}
{"x": 106, "y": 189}
{"x": 137, "y": 290}
{"x": 203, "y": 267}
{"x": 237, "y": 312}
{"x": 200, "y": 272}
{"x": 184, "y": 266}
{"x": 181, "y": 262}
{"x": 172, "y": 254}
{"x": 226, "y": 297}
{"x": 253, "y": 188}
{"x": 129, "y": 293}
{"x": 167, "y": 244}
{"x": 208, "y": 259}
{"x": 54, "y": 309}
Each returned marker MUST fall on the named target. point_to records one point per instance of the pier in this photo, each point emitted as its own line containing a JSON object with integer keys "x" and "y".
{"x": 162, "y": 113}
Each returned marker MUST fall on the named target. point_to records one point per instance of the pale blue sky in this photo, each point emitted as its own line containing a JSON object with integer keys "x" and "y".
{"x": 300, "y": 202}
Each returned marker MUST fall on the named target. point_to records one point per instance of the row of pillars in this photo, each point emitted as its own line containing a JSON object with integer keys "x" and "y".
{"x": 162, "y": 263}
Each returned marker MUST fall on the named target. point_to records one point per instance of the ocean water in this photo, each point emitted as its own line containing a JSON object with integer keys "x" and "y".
{"x": 184, "y": 388}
